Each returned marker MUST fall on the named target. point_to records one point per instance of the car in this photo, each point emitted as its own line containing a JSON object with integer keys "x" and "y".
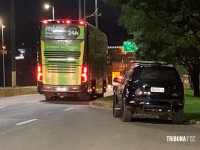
{"x": 149, "y": 87}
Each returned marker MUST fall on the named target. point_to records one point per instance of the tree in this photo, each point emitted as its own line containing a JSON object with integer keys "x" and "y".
{"x": 167, "y": 30}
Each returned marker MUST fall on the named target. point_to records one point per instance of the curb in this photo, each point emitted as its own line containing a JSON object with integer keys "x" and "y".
{"x": 196, "y": 122}
{"x": 100, "y": 104}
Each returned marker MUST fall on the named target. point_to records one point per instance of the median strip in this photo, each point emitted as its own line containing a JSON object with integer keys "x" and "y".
{"x": 25, "y": 122}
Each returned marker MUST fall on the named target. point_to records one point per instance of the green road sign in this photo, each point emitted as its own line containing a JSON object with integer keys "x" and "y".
{"x": 129, "y": 46}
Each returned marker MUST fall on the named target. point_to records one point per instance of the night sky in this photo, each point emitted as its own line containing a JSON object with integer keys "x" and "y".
{"x": 30, "y": 12}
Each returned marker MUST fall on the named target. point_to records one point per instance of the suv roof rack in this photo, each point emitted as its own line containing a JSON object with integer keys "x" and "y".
{"x": 151, "y": 62}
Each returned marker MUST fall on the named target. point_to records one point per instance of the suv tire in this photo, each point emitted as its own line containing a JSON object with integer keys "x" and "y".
{"x": 116, "y": 108}
{"x": 177, "y": 117}
{"x": 126, "y": 112}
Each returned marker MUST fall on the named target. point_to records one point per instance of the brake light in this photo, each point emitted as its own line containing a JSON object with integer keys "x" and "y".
{"x": 45, "y": 21}
{"x": 39, "y": 73}
{"x": 81, "y": 22}
{"x": 63, "y": 21}
{"x": 68, "y": 21}
{"x": 84, "y": 74}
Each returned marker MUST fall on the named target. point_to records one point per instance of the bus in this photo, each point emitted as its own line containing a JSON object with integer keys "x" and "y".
{"x": 72, "y": 60}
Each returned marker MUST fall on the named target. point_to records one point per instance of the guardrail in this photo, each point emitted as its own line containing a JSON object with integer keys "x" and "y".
{"x": 14, "y": 91}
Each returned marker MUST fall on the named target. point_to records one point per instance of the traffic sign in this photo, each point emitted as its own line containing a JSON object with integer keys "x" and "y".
{"x": 129, "y": 46}
{"x": 3, "y": 52}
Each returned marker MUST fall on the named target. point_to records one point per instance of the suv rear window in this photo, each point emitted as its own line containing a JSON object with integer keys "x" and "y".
{"x": 158, "y": 73}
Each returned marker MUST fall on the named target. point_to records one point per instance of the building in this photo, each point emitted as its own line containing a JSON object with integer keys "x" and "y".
{"x": 119, "y": 61}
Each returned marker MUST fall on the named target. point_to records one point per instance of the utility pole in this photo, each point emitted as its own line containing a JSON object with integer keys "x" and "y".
{"x": 13, "y": 51}
{"x": 79, "y": 6}
{"x": 84, "y": 12}
{"x": 96, "y": 16}
{"x": 3, "y": 51}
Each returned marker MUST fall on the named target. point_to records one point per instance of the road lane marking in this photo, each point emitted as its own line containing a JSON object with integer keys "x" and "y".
{"x": 69, "y": 109}
{"x": 31, "y": 102}
{"x": 25, "y": 122}
{"x": 2, "y": 107}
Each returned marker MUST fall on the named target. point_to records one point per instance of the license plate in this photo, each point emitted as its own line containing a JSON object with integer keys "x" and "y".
{"x": 157, "y": 89}
{"x": 61, "y": 89}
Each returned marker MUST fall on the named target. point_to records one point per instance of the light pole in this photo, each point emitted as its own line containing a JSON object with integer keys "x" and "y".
{"x": 3, "y": 50}
{"x": 12, "y": 44}
{"x": 47, "y": 6}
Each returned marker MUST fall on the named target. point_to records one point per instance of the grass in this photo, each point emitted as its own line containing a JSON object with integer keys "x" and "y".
{"x": 191, "y": 109}
{"x": 107, "y": 100}
{"x": 192, "y": 105}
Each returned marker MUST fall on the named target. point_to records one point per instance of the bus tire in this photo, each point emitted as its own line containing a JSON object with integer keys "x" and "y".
{"x": 84, "y": 96}
{"x": 48, "y": 96}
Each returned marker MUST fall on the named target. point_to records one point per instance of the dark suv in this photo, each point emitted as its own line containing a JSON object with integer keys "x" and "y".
{"x": 152, "y": 88}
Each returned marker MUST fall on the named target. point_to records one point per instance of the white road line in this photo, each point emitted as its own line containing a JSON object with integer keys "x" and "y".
{"x": 2, "y": 107}
{"x": 31, "y": 102}
{"x": 25, "y": 122}
{"x": 69, "y": 109}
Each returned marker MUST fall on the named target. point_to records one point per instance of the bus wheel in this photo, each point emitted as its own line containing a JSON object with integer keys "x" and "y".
{"x": 84, "y": 96}
{"x": 48, "y": 96}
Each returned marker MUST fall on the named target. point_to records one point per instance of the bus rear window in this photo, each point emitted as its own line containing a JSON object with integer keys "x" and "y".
{"x": 159, "y": 73}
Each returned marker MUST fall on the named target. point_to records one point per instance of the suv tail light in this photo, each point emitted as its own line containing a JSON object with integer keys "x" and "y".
{"x": 84, "y": 74}
{"x": 39, "y": 73}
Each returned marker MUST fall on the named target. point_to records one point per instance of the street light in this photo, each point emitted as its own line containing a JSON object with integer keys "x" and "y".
{"x": 3, "y": 50}
{"x": 47, "y": 6}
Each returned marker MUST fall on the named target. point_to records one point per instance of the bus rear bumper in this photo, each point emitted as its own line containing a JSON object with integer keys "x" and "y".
{"x": 61, "y": 89}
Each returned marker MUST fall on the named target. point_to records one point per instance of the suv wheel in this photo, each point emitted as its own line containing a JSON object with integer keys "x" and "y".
{"x": 177, "y": 117}
{"x": 116, "y": 108}
{"x": 126, "y": 112}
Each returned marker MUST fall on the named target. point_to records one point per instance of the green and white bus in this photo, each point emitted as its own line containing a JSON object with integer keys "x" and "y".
{"x": 72, "y": 60}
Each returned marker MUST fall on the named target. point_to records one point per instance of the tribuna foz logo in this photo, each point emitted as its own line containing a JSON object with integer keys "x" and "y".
{"x": 180, "y": 138}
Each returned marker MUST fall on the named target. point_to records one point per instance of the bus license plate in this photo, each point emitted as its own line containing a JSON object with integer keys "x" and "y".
{"x": 61, "y": 89}
{"x": 157, "y": 89}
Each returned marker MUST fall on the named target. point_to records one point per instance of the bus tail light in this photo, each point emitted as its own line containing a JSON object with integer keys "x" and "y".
{"x": 45, "y": 21}
{"x": 68, "y": 21}
{"x": 39, "y": 73}
{"x": 84, "y": 74}
{"x": 81, "y": 22}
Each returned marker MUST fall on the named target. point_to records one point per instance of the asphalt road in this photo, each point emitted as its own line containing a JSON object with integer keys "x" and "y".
{"x": 30, "y": 123}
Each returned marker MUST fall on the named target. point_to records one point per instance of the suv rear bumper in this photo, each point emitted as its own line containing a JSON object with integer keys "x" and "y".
{"x": 155, "y": 107}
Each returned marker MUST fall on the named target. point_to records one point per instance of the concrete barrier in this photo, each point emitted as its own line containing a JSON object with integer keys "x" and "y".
{"x": 14, "y": 91}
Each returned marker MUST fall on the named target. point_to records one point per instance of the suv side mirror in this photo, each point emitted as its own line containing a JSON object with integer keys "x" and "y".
{"x": 118, "y": 79}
